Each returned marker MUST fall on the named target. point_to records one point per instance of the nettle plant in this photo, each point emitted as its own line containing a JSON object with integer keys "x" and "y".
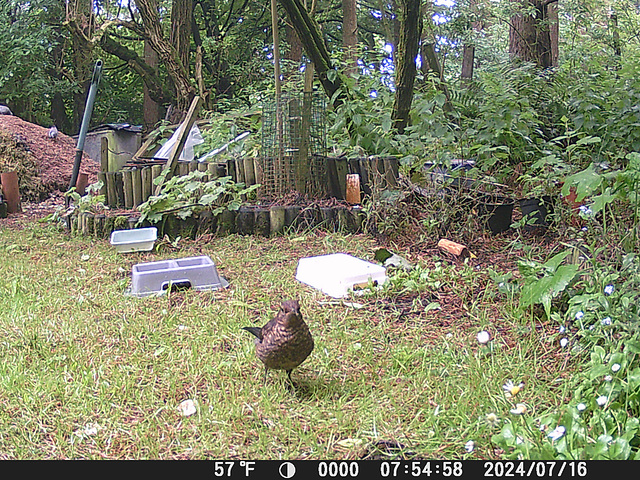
{"x": 187, "y": 195}
{"x": 601, "y": 420}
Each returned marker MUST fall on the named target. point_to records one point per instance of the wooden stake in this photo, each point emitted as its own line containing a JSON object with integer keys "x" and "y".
{"x": 147, "y": 183}
{"x": 185, "y": 128}
{"x": 104, "y": 154}
{"x": 136, "y": 181}
{"x": 128, "y": 189}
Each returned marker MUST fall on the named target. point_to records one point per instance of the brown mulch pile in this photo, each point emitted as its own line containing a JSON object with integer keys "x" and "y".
{"x": 43, "y": 164}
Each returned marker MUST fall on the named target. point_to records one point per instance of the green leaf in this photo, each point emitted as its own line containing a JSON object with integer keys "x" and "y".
{"x": 585, "y": 182}
{"x": 632, "y": 346}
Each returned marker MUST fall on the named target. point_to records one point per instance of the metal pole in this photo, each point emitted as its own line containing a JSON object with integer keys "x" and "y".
{"x": 88, "y": 109}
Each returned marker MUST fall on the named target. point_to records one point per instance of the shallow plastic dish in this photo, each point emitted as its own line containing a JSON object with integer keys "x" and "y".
{"x": 136, "y": 240}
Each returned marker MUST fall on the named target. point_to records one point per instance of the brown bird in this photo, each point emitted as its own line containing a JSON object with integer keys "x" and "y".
{"x": 285, "y": 341}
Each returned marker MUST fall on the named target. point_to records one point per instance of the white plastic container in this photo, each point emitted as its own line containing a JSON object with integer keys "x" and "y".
{"x": 199, "y": 273}
{"x": 338, "y": 273}
{"x": 136, "y": 240}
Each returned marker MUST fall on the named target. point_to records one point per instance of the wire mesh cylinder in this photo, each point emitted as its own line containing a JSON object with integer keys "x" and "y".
{"x": 293, "y": 146}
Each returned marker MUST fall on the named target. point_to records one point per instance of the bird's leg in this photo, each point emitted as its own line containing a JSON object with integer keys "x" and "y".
{"x": 289, "y": 375}
{"x": 264, "y": 379}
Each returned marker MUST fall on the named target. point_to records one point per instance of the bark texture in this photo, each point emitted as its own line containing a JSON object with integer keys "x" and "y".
{"x": 529, "y": 33}
{"x": 405, "y": 60}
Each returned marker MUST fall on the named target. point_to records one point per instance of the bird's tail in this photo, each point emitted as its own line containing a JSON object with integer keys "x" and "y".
{"x": 257, "y": 331}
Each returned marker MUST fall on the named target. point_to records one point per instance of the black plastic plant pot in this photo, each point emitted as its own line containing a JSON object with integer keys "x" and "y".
{"x": 496, "y": 212}
{"x": 535, "y": 211}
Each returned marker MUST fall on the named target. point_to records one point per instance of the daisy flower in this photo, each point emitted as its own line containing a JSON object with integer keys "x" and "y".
{"x": 469, "y": 446}
{"x": 563, "y": 342}
{"x": 581, "y": 407}
{"x": 520, "y": 409}
{"x": 606, "y": 321}
{"x": 483, "y": 337}
{"x": 602, "y": 400}
{"x": 615, "y": 367}
{"x": 608, "y": 290}
{"x": 492, "y": 419}
{"x": 557, "y": 433}
{"x": 511, "y": 388}
{"x": 579, "y": 315}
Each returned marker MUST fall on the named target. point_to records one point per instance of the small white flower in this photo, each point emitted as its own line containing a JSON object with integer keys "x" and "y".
{"x": 615, "y": 367}
{"x": 581, "y": 407}
{"x": 564, "y": 342}
{"x": 519, "y": 440}
{"x": 469, "y": 446}
{"x": 557, "y": 433}
{"x": 608, "y": 378}
{"x": 602, "y": 400}
{"x": 511, "y": 389}
{"x": 606, "y": 321}
{"x": 608, "y": 290}
{"x": 585, "y": 210}
{"x": 520, "y": 409}
{"x": 492, "y": 419}
{"x": 187, "y": 408}
{"x": 483, "y": 337}
{"x": 562, "y": 329}
{"x": 85, "y": 257}
{"x": 579, "y": 315}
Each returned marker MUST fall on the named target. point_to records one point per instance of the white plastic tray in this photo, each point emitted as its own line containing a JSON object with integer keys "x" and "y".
{"x": 337, "y": 273}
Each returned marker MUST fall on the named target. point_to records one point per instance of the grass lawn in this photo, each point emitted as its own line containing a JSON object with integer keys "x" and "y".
{"x": 87, "y": 372}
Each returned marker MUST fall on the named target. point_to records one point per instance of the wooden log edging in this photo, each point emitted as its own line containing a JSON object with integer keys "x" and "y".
{"x": 248, "y": 220}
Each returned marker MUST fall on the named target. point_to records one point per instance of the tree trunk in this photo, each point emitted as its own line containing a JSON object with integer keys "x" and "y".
{"x": 295, "y": 46}
{"x": 310, "y": 35}
{"x": 468, "y": 57}
{"x": 350, "y": 36}
{"x": 529, "y": 35}
{"x": 168, "y": 54}
{"x": 181, "y": 14}
{"x": 554, "y": 32}
{"x": 469, "y": 49}
{"x": 81, "y": 14}
{"x": 151, "y": 109}
{"x": 410, "y": 20}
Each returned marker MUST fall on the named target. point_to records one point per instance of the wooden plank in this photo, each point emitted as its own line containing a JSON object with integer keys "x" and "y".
{"x": 391, "y": 171}
{"x": 104, "y": 154}
{"x": 119, "y": 189}
{"x": 112, "y": 197}
{"x": 249, "y": 171}
{"x": 147, "y": 183}
{"x": 185, "y": 128}
{"x": 147, "y": 143}
{"x": 332, "y": 178}
{"x": 342, "y": 170}
{"x": 128, "y": 189}
{"x": 136, "y": 181}
{"x": 102, "y": 177}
